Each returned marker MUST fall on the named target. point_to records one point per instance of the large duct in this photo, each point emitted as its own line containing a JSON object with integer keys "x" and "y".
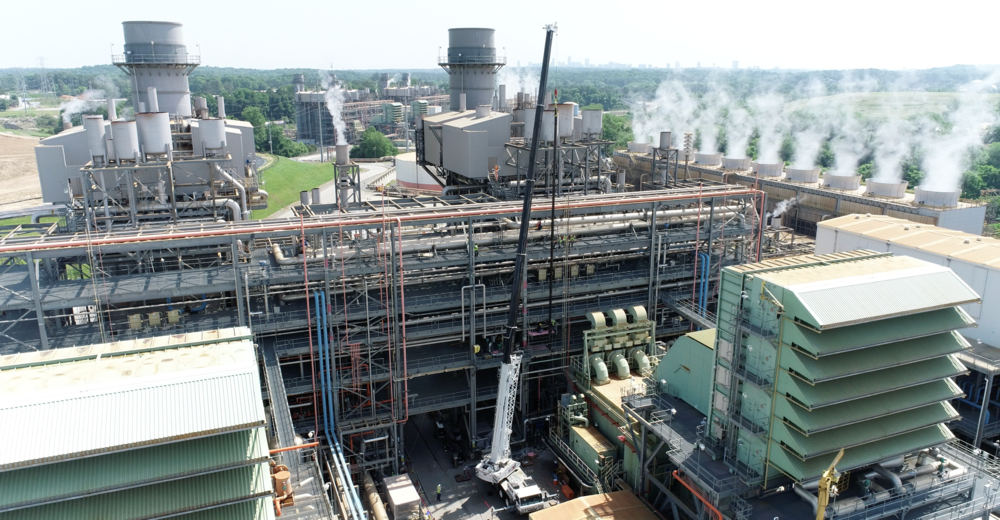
{"x": 156, "y": 56}
{"x": 112, "y": 109}
{"x": 343, "y": 154}
{"x": 472, "y": 65}
{"x": 502, "y": 103}
{"x": 298, "y": 82}
{"x": 221, "y": 102}
{"x": 93, "y": 125}
{"x": 152, "y": 103}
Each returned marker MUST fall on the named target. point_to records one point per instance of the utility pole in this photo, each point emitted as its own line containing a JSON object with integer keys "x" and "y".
{"x": 319, "y": 119}
{"x": 270, "y": 145}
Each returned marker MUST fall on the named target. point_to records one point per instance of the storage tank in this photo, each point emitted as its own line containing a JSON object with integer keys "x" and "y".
{"x": 802, "y": 174}
{"x": 93, "y": 125}
{"x": 565, "y": 119}
{"x": 472, "y": 65}
{"x": 156, "y": 56}
{"x": 592, "y": 121}
{"x": 927, "y": 197}
{"x": 892, "y": 190}
{"x": 708, "y": 159}
{"x": 304, "y": 197}
{"x": 529, "y": 123}
{"x": 126, "y": 141}
{"x": 735, "y": 163}
{"x": 213, "y": 134}
{"x": 316, "y": 196}
{"x": 154, "y": 132}
{"x": 548, "y": 126}
{"x": 841, "y": 182}
{"x": 769, "y": 169}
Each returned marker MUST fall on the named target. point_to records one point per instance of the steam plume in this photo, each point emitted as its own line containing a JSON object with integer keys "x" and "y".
{"x": 335, "y": 104}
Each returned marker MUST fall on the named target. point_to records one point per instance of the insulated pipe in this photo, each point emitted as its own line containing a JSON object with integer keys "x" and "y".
{"x": 378, "y": 508}
{"x": 600, "y": 369}
{"x": 621, "y": 364}
{"x": 808, "y": 497}
{"x": 233, "y": 206}
{"x": 321, "y": 224}
{"x": 239, "y": 189}
{"x": 897, "y": 484}
{"x": 618, "y": 217}
{"x": 221, "y": 101}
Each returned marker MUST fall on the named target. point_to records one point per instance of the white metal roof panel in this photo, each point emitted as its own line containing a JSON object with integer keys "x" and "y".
{"x": 858, "y": 299}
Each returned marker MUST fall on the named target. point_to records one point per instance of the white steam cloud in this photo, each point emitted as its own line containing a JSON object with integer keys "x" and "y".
{"x": 335, "y": 104}
{"x": 89, "y": 100}
{"x": 783, "y": 206}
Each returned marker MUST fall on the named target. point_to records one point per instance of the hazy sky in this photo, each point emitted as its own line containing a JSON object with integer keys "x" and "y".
{"x": 352, "y": 34}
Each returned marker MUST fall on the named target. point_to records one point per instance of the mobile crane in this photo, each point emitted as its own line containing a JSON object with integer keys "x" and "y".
{"x": 498, "y": 467}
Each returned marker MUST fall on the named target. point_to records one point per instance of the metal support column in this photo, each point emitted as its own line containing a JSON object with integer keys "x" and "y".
{"x": 33, "y": 278}
{"x": 653, "y": 282}
{"x": 982, "y": 411}
{"x": 236, "y": 283}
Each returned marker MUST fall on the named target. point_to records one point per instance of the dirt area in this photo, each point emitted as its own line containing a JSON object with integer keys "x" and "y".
{"x": 19, "y": 186}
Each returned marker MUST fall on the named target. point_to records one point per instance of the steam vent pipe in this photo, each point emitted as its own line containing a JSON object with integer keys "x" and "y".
{"x": 472, "y": 64}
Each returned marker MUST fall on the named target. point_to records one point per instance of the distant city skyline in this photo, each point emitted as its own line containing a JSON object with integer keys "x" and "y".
{"x": 313, "y": 35}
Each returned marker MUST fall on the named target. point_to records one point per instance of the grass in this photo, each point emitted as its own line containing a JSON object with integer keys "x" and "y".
{"x": 885, "y": 105}
{"x": 14, "y": 221}
{"x": 287, "y": 178}
{"x": 26, "y": 133}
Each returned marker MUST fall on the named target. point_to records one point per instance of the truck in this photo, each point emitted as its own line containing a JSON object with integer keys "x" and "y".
{"x": 521, "y": 492}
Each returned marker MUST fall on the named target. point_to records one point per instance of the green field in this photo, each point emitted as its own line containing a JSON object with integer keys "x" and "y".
{"x": 287, "y": 178}
{"x": 885, "y": 105}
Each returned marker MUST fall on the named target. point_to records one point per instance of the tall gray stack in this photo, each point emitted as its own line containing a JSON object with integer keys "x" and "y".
{"x": 155, "y": 56}
{"x": 472, "y": 63}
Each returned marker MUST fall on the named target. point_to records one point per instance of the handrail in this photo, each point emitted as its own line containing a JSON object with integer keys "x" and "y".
{"x": 695, "y": 492}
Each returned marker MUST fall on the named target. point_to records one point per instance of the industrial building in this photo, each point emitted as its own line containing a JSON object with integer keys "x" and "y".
{"x": 144, "y": 428}
{"x": 816, "y": 198}
{"x": 976, "y": 260}
{"x": 676, "y": 357}
{"x": 165, "y": 165}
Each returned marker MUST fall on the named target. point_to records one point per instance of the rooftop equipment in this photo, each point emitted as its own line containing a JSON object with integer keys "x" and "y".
{"x": 708, "y": 159}
{"x": 842, "y": 182}
{"x": 927, "y": 197}
{"x": 802, "y": 175}
{"x": 892, "y": 190}
{"x": 769, "y": 169}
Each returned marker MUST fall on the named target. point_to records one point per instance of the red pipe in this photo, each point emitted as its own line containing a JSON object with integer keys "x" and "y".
{"x": 695, "y": 492}
{"x": 323, "y": 224}
{"x": 293, "y": 448}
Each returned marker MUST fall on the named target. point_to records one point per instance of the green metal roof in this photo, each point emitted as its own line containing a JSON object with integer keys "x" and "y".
{"x": 117, "y": 471}
{"x": 839, "y": 295}
{"x": 871, "y": 359}
{"x": 866, "y": 335}
{"x": 807, "y": 447}
{"x": 159, "y": 500}
{"x": 257, "y": 509}
{"x": 871, "y": 383}
{"x": 835, "y": 416}
{"x": 859, "y": 456}
{"x": 123, "y": 418}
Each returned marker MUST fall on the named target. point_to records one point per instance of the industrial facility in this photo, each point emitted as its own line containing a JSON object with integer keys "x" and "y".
{"x": 543, "y": 325}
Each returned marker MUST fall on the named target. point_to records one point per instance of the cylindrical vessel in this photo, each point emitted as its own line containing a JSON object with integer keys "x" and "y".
{"x": 112, "y": 109}
{"x": 343, "y": 154}
{"x": 315, "y": 196}
{"x": 157, "y": 57}
{"x": 461, "y": 102}
{"x": 482, "y": 111}
{"x": 770, "y": 169}
{"x": 154, "y": 132}
{"x": 735, "y": 163}
{"x": 502, "y": 103}
{"x": 213, "y": 133}
{"x": 548, "y": 126}
{"x": 529, "y": 123}
{"x": 802, "y": 174}
{"x": 577, "y": 128}
{"x": 565, "y": 119}
{"x": 592, "y": 120}
{"x": 94, "y": 127}
{"x": 221, "y": 101}
{"x": 927, "y": 197}
{"x": 304, "y": 197}
{"x": 126, "y": 141}
{"x": 152, "y": 102}
{"x": 708, "y": 159}
{"x": 842, "y": 182}
{"x": 472, "y": 65}
{"x": 665, "y": 141}
{"x": 891, "y": 190}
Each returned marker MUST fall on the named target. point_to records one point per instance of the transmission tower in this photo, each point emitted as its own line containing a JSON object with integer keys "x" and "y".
{"x": 46, "y": 85}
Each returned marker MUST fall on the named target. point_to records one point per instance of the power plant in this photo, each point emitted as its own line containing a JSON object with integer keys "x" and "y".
{"x": 536, "y": 323}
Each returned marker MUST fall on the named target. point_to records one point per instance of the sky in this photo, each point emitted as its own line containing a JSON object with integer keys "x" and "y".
{"x": 391, "y": 34}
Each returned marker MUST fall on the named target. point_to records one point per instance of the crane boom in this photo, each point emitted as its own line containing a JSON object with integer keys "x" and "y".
{"x": 497, "y": 466}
